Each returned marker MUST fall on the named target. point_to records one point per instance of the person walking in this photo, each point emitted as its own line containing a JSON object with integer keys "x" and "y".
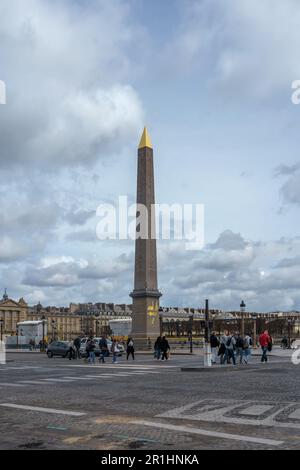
{"x": 284, "y": 342}
{"x": 230, "y": 350}
{"x": 248, "y": 343}
{"x": 103, "y": 349}
{"x": 265, "y": 341}
{"x": 222, "y": 348}
{"x": 165, "y": 348}
{"x": 77, "y": 344}
{"x": 130, "y": 348}
{"x": 71, "y": 352}
{"x": 90, "y": 349}
{"x": 239, "y": 344}
{"x": 115, "y": 351}
{"x": 214, "y": 344}
{"x": 157, "y": 348}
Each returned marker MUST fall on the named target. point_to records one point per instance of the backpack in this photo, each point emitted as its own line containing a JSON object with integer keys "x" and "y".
{"x": 240, "y": 342}
{"x": 228, "y": 342}
{"x": 130, "y": 344}
{"x": 247, "y": 343}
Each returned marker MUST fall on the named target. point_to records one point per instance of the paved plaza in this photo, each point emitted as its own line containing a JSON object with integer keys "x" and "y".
{"x": 58, "y": 404}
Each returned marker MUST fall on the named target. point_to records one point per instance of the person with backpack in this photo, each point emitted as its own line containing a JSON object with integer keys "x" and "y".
{"x": 248, "y": 343}
{"x": 230, "y": 349}
{"x": 103, "y": 349}
{"x": 130, "y": 348}
{"x": 239, "y": 344}
{"x": 265, "y": 342}
{"x": 214, "y": 344}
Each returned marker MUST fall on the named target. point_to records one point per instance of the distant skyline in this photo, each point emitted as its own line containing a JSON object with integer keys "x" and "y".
{"x": 212, "y": 80}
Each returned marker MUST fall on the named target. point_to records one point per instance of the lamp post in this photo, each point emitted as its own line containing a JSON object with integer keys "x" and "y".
{"x": 290, "y": 322}
{"x": 191, "y": 321}
{"x": 254, "y": 317}
{"x": 207, "y": 333}
{"x": 97, "y": 328}
{"x": 1, "y": 328}
{"x": 160, "y": 324}
{"x": 243, "y": 309}
{"x": 53, "y": 327}
{"x": 42, "y": 349}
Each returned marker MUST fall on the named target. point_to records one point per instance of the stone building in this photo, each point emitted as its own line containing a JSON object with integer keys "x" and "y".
{"x": 11, "y": 313}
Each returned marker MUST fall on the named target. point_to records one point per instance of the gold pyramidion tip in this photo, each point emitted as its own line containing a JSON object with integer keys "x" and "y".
{"x": 145, "y": 140}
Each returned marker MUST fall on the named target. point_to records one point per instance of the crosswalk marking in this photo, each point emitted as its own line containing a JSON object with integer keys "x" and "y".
{"x": 204, "y": 432}
{"x": 109, "y": 372}
{"x": 32, "y": 382}
{"x": 42, "y": 410}
{"x": 57, "y": 380}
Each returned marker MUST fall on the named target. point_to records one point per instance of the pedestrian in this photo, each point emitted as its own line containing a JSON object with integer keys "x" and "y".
{"x": 90, "y": 349}
{"x": 71, "y": 351}
{"x": 77, "y": 344}
{"x": 248, "y": 343}
{"x": 157, "y": 348}
{"x": 165, "y": 348}
{"x": 130, "y": 348}
{"x": 265, "y": 341}
{"x": 239, "y": 344}
{"x": 115, "y": 351}
{"x": 230, "y": 349}
{"x": 222, "y": 348}
{"x": 214, "y": 344}
{"x": 284, "y": 342}
{"x": 103, "y": 349}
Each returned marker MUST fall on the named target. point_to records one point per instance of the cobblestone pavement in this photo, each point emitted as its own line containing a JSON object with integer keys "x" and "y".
{"x": 61, "y": 404}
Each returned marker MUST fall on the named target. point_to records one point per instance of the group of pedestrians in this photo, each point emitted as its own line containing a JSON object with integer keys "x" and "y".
{"x": 233, "y": 347}
{"x": 161, "y": 349}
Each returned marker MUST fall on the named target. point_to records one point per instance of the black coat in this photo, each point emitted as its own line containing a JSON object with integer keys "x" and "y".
{"x": 214, "y": 342}
{"x": 164, "y": 345}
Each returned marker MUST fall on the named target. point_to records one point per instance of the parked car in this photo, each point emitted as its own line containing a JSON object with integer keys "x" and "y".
{"x": 83, "y": 352}
{"x": 295, "y": 344}
{"x": 58, "y": 348}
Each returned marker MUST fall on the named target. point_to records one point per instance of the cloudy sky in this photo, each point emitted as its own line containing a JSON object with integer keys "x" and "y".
{"x": 212, "y": 81}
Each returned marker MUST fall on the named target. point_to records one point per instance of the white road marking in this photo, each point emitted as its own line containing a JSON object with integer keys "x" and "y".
{"x": 57, "y": 380}
{"x": 241, "y": 412}
{"x": 42, "y": 410}
{"x": 32, "y": 382}
{"x": 5, "y": 369}
{"x": 122, "y": 366}
{"x": 204, "y": 432}
{"x": 6, "y": 384}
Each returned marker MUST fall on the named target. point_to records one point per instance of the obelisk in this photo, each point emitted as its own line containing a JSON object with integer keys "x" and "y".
{"x": 145, "y": 311}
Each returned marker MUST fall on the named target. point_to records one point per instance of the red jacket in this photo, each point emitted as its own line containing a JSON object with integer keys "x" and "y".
{"x": 264, "y": 340}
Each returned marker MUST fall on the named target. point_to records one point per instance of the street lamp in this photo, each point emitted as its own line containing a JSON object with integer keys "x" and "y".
{"x": 243, "y": 309}
{"x": 42, "y": 349}
{"x": 191, "y": 321}
{"x": 290, "y": 322}
{"x": 53, "y": 328}
{"x": 1, "y": 328}
{"x": 254, "y": 317}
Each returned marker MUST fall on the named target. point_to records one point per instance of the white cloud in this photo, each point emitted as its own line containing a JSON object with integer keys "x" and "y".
{"x": 68, "y": 101}
{"x": 247, "y": 47}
